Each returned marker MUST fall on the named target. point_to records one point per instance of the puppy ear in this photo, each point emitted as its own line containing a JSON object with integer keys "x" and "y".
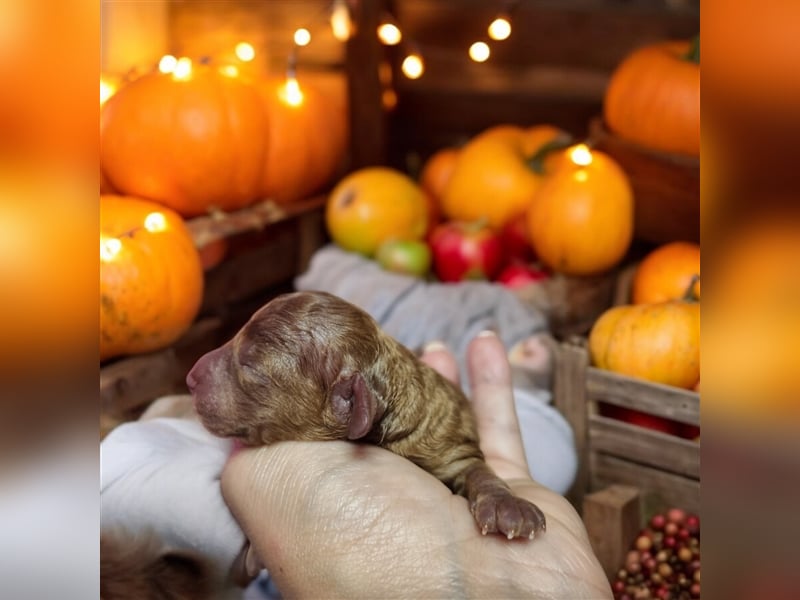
{"x": 354, "y": 405}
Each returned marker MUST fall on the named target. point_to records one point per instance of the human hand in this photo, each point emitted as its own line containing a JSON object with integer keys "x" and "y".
{"x": 340, "y": 520}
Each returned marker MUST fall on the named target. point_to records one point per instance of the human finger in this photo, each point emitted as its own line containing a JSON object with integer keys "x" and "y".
{"x": 493, "y": 403}
{"x": 436, "y": 355}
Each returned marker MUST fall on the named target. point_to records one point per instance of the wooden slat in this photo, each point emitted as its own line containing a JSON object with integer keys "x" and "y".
{"x": 653, "y": 398}
{"x": 646, "y": 446}
{"x": 569, "y": 397}
{"x": 210, "y": 228}
{"x": 666, "y": 489}
{"x": 613, "y": 518}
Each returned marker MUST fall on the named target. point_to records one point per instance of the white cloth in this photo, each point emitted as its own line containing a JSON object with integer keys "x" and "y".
{"x": 163, "y": 474}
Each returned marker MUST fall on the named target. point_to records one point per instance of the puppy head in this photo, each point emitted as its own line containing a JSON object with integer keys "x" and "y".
{"x": 302, "y": 368}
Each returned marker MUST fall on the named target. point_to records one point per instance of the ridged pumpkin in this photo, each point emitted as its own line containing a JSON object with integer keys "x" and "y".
{"x": 498, "y": 172}
{"x": 653, "y": 97}
{"x": 665, "y": 273}
{"x": 581, "y": 220}
{"x": 191, "y": 143}
{"x": 306, "y": 139}
{"x": 658, "y": 342}
{"x": 151, "y": 277}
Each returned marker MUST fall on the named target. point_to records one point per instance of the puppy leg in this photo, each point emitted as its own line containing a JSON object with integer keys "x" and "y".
{"x": 495, "y": 507}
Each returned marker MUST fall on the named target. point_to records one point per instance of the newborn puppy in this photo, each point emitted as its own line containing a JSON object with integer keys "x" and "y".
{"x": 310, "y": 366}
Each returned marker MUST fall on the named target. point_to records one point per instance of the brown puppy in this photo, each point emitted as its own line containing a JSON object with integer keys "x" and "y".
{"x": 310, "y": 366}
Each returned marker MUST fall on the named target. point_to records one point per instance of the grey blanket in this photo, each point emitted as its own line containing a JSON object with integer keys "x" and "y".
{"x": 415, "y": 311}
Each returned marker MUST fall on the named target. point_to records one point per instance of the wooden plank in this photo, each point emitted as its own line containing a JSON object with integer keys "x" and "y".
{"x": 364, "y": 53}
{"x": 645, "y": 446}
{"x": 653, "y": 398}
{"x": 210, "y": 228}
{"x": 569, "y": 397}
{"x": 660, "y": 490}
{"x": 613, "y": 518}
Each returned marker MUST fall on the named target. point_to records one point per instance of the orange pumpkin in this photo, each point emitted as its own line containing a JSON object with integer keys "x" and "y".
{"x": 191, "y": 143}
{"x": 653, "y": 98}
{"x": 581, "y": 219}
{"x": 666, "y": 272}
{"x": 498, "y": 172}
{"x": 658, "y": 342}
{"x": 306, "y": 139}
{"x": 151, "y": 277}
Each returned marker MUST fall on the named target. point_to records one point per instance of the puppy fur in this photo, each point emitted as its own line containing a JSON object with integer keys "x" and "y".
{"x": 138, "y": 567}
{"x": 311, "y": 366}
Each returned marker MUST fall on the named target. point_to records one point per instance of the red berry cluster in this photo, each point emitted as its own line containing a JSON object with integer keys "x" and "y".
{"x": 664, "y": 563}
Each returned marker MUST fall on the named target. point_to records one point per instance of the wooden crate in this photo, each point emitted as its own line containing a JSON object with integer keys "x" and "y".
{"x": 656, "y": 470}
{"x": 268, "y": 246}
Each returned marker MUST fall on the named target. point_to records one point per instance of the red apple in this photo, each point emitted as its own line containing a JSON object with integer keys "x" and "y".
{"x": 635, "y": 417}
{"x": 516, "y": 242}
{"x": 466, "y": 251}
{"x": 519, "y": 275}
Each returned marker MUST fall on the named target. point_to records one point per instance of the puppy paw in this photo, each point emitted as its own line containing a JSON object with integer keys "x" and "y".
{"x": 502, "y": 512}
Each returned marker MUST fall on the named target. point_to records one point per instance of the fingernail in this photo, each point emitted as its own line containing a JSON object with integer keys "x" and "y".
{"x": 487, "y": 333}
{"x": 434, "y": 346}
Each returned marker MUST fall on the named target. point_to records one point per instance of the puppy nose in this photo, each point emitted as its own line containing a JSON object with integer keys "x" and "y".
{"x": 195, "y": 374}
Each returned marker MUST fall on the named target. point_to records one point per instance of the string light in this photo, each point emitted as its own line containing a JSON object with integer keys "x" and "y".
{"x": 479, "y": 51}
{"x": 341, "y": 26}
{"x": 107, "y": 90}
{"x": 109, "y": 248}
{"x": 302, "y": 37}
{"x": 183, "y": 68}
{"x": 229, "y": 70}
{"x": 500, "y": 28}
{"x": 412, "y": 66}
{"x": 167, "y": 63}
{"x": 245, "y": 52}
{"x": 155, "y": 222}
{"x": 389, "y": 33}
{"x": 581, "y": 155}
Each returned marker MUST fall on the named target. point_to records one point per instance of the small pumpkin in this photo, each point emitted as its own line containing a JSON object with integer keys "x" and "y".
{"x": 151, "y": 276}
{"x": 665, "y": 273}
{"x": 658, "y": 342}
{"x": 581, "y": 219}
{"x": 498, "y": 172}
{"x": 653, "y": 97}
{"x": 192, "y": 142}
{"x": 306, "y": 139}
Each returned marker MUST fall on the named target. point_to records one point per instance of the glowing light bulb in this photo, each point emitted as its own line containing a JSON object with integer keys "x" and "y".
{"x": 229, "y": 70}
{"x": 389, "y": 34}
{"x": 167, "y": 63}
{"x": 183, "y": 68}
{"x": 389, "y": 99}
{"x": 107, "y": 90}
{"x": 291, "y": 92}
{"x": 155, "y": 222}
{"x": 109, "y": 248}
{"x": 245, "y": 52}
{"x": 500, "y": 28}
{"x": 581, "y": 155}
{"x": 302, "y": 37}
{"x": 341, "y": 25}
{"x": 412, "y": 66}
{"x": 479, "y": 51}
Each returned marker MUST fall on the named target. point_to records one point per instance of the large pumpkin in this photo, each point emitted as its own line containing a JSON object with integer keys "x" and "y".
{"x": 653, "y": 97}
{"x": 498, "y": 172}
{"x": 192, "y": 142}
{"x": 306, "y": 139}
{"x": 659, "y": 342}
{"x": 581, "y": 220}
{"x": 151, "y": 277}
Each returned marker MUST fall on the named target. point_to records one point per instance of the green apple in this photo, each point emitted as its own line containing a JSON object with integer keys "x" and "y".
{"x": 409, "y": 257}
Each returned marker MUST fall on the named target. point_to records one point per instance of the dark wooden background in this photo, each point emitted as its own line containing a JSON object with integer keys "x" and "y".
{"x": 553, "y": 68}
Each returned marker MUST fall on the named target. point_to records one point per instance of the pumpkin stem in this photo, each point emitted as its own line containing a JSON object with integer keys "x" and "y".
{"x": 690, "y": 295}
{"x": 536, "y": 162}
{"x": 693, "y": 55}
